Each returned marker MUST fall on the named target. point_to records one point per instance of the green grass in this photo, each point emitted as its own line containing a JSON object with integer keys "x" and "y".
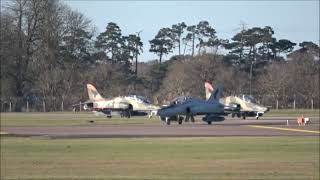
{"x": 161, "y": 158}
{"x": 67, "y": 118}
{"x": 292, "y": 112}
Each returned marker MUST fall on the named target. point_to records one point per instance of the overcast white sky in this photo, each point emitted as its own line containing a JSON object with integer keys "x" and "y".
{"x": 294, "y": 20}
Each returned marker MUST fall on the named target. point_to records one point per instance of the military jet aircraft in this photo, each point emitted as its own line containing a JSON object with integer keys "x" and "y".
{"x": 191, "y": 106}
{"x": 248, "y": 107}
{"x": 123, "y": 105}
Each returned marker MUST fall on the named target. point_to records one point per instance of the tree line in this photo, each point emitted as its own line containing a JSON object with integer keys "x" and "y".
{"x": 49, "y": 52}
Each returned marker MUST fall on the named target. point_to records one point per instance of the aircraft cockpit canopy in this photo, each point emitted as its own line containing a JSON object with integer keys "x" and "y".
{"x": 248, "y": 98}
{"x": 140, "y": 98}
{"x": 179, "y": 100}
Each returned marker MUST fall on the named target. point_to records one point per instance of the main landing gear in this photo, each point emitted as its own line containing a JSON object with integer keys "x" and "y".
{"x": 167, "y": 120}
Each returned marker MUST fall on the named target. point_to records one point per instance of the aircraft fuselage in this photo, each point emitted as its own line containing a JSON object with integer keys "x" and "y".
{"x": 192, "y": 107}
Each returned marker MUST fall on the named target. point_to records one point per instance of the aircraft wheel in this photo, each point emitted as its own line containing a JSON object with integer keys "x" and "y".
{"x": 209, "y": 122}
{"x": 233, "y": 115}
{"x": 128, "y": 111}
{"x": 192, "y": 119}
{"x": 167, "y": 121}
{"x": 257, "y": 117}
{"x": 179, "y": 119}
{"x": 243, "y": 117}
{"x": 126, "y": 114}
{"x": 238, "y": 115}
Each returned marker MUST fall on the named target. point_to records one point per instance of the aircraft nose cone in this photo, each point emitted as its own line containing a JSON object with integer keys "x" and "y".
{"x": 165, "y": 112}
{"x": 264, "y": 109}
{"x": 161, "y": 112}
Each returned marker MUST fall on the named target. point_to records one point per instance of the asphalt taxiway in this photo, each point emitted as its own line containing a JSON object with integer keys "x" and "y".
{"x": 266, "y": 126}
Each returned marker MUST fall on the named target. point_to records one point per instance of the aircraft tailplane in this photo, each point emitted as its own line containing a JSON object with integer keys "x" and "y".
{"x": 93, "y": 93}
{"x": 209, "y": 89}
{"x": 215, "y": 95}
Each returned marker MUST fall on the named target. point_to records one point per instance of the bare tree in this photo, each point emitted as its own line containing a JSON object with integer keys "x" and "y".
{"x": 275, "y": 82}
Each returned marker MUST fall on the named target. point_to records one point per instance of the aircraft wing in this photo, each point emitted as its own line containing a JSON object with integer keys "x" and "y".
{"x": 82, "y": 103}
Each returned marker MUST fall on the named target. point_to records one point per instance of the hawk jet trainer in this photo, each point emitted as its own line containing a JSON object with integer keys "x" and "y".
{"x": 191, "y": 106}
{"x": 125, "y": 106}
{"x": 248, "y": 107}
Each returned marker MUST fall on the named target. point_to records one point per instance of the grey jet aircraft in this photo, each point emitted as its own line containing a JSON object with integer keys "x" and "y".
{"x": 191, "y": 106}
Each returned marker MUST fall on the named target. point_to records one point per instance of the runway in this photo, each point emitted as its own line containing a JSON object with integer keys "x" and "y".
{"x": 269, "y": 126}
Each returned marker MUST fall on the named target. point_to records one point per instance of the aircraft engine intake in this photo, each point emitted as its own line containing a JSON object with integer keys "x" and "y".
{"x": 121, "y": 105}
{"x": 233, "y": 107}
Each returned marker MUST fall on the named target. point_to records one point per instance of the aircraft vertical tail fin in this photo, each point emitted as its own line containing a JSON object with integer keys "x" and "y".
{"x": 215, "y": 95}
{"x": 93, "y": 93}
{"x": 209, "y": 89}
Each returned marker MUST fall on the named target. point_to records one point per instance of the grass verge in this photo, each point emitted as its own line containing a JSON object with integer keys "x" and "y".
{"x": 161, "y": 158}
{"x": 67, "y": 118}
{"x": 293, "y": 112}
